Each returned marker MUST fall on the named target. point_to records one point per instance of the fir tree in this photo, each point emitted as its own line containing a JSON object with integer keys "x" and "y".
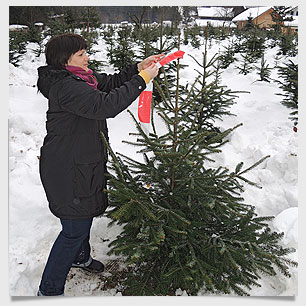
{"x": 192, "y": 34}
{"x": 246, "y": 64}
{"x": 287, "y": 45}
{"x": 146, "y": 36}
{"x": 122, "y": 52}
{"x": 71, "y": 19}
{"x": 185, "y": 224}
{"x": 57, "y": 25}
{"x": 264, "y": 71}
{"x": 227, "y": 57}
{"x": 166, "y": 44}
{"x": 144, "y": 32}
{"x": 277, "y": 58}
{"x": 92, "y": 40}
{"x": 237, "y": 42}
{"x": 249, "y": 24}
{"x": 36, "y": 36}
{"x": 289, "y": 85}
{"x": 214, "y": 99}
{"x": 254, "y": 44}
{"x": 108, "y": 36}
{"x": 90, "y": 18}
{"x": 280, "y": 14}
{"x": 17, "y": 46}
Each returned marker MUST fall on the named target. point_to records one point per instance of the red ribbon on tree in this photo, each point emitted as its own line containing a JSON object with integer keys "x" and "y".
{"x": 171, "y": 57}
{"x": 144, "y": 104}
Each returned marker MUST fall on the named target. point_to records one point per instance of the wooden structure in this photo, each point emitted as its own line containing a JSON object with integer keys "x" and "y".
{"x": 261, "y": 16}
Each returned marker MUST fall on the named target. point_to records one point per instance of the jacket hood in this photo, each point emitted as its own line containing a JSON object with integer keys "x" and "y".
{"x": 48, "y": 76}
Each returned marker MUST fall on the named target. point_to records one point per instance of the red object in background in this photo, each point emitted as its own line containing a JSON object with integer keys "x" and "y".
{"x": 295, "y": 128}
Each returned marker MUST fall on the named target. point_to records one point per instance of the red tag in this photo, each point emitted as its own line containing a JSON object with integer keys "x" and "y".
{"x": 144, "y": 106}
{"x": 171, "y": 57}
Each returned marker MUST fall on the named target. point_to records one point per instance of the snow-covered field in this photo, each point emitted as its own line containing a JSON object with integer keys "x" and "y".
{"x": 266, "y": 130}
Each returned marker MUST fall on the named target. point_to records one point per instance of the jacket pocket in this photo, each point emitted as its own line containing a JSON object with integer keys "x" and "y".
{"x": 89, "y": 178}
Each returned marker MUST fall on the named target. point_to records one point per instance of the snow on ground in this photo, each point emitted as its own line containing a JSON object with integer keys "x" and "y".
{"x": 266, "y": 130}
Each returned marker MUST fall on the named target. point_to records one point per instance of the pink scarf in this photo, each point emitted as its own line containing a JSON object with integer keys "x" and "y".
{"x": 87, "y": 76}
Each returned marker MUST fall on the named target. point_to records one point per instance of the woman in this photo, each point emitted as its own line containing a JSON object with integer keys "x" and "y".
{"x": 72, "y": 161}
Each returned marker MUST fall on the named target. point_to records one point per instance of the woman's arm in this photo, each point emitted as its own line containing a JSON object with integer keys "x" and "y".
{"x": 107, "y": 82}
{"x": 80, "y": 99}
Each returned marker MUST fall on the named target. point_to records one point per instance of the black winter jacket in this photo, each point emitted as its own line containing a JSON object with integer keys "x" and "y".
{"x": 72, "y": 161}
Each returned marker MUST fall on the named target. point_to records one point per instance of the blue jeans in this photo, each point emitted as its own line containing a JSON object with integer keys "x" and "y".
{"x": 71, "y": 246}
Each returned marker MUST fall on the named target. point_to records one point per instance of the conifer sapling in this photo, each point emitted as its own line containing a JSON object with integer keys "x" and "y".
{"x": 185, "y": 224}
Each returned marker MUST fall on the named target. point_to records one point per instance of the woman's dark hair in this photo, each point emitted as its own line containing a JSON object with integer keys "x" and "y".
{"x": 60, "y": 48}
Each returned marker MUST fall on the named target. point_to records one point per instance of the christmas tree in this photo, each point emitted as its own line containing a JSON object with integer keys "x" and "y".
{"x": 192, "y": 35}
{"x": 121, "y": 51}
{"x": 227, "y": 57}
{"x": 108, "y": 36}
{"x": 17, "y": 46}
{"x": 289, "y": 84}
{"x": 91, "y": 38}
{"x": 214, "y": 100}
{"x": 246, "y": 65}
{"x": 254, "y": 43}
{"x": 264, "y": 71}
{"x": 146, "y": 36}
{"x": 279, "y": 15}
{"x": 287, "y": 44}
{"x": 185, "y": 223}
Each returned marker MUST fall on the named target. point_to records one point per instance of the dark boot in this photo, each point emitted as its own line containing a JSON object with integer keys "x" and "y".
{"x": 91, "y": 265}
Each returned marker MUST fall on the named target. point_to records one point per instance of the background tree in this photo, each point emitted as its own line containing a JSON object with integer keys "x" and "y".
{"x": 214, "y": 99}
{"x": 90, "y": 18}
{"x": 187, "y": 14}
{"x": 57, "y": 25}
{"x": 122, "y": 53}
{"x": 288, "y": 80}
{"x": 72, "y": 18}
{"x": 279, "y": 15}
{"x": 254, "y": 43}
{"x": 287, "y": 44}
{"x": 264, "y": 71}
{"x": 17, "y": 46}
{"x": 138, "y": 20}
{"x": 36, "y": 36}
{"x": 109, "y": 38}
{"x": 227, "y": 14}
{"x": 227, "y": 56}
{"x": 192, "y": 35}
{"x": 28, "y": 15}
{"x": 246, "y": 64}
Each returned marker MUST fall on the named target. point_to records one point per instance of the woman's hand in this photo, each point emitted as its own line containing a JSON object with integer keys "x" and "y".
{"x": 153, "y": 59}
{"x": 152, "y": 71}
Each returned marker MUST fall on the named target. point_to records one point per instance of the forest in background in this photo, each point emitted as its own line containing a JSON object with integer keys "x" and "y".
{"x": 28, "y": 15}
